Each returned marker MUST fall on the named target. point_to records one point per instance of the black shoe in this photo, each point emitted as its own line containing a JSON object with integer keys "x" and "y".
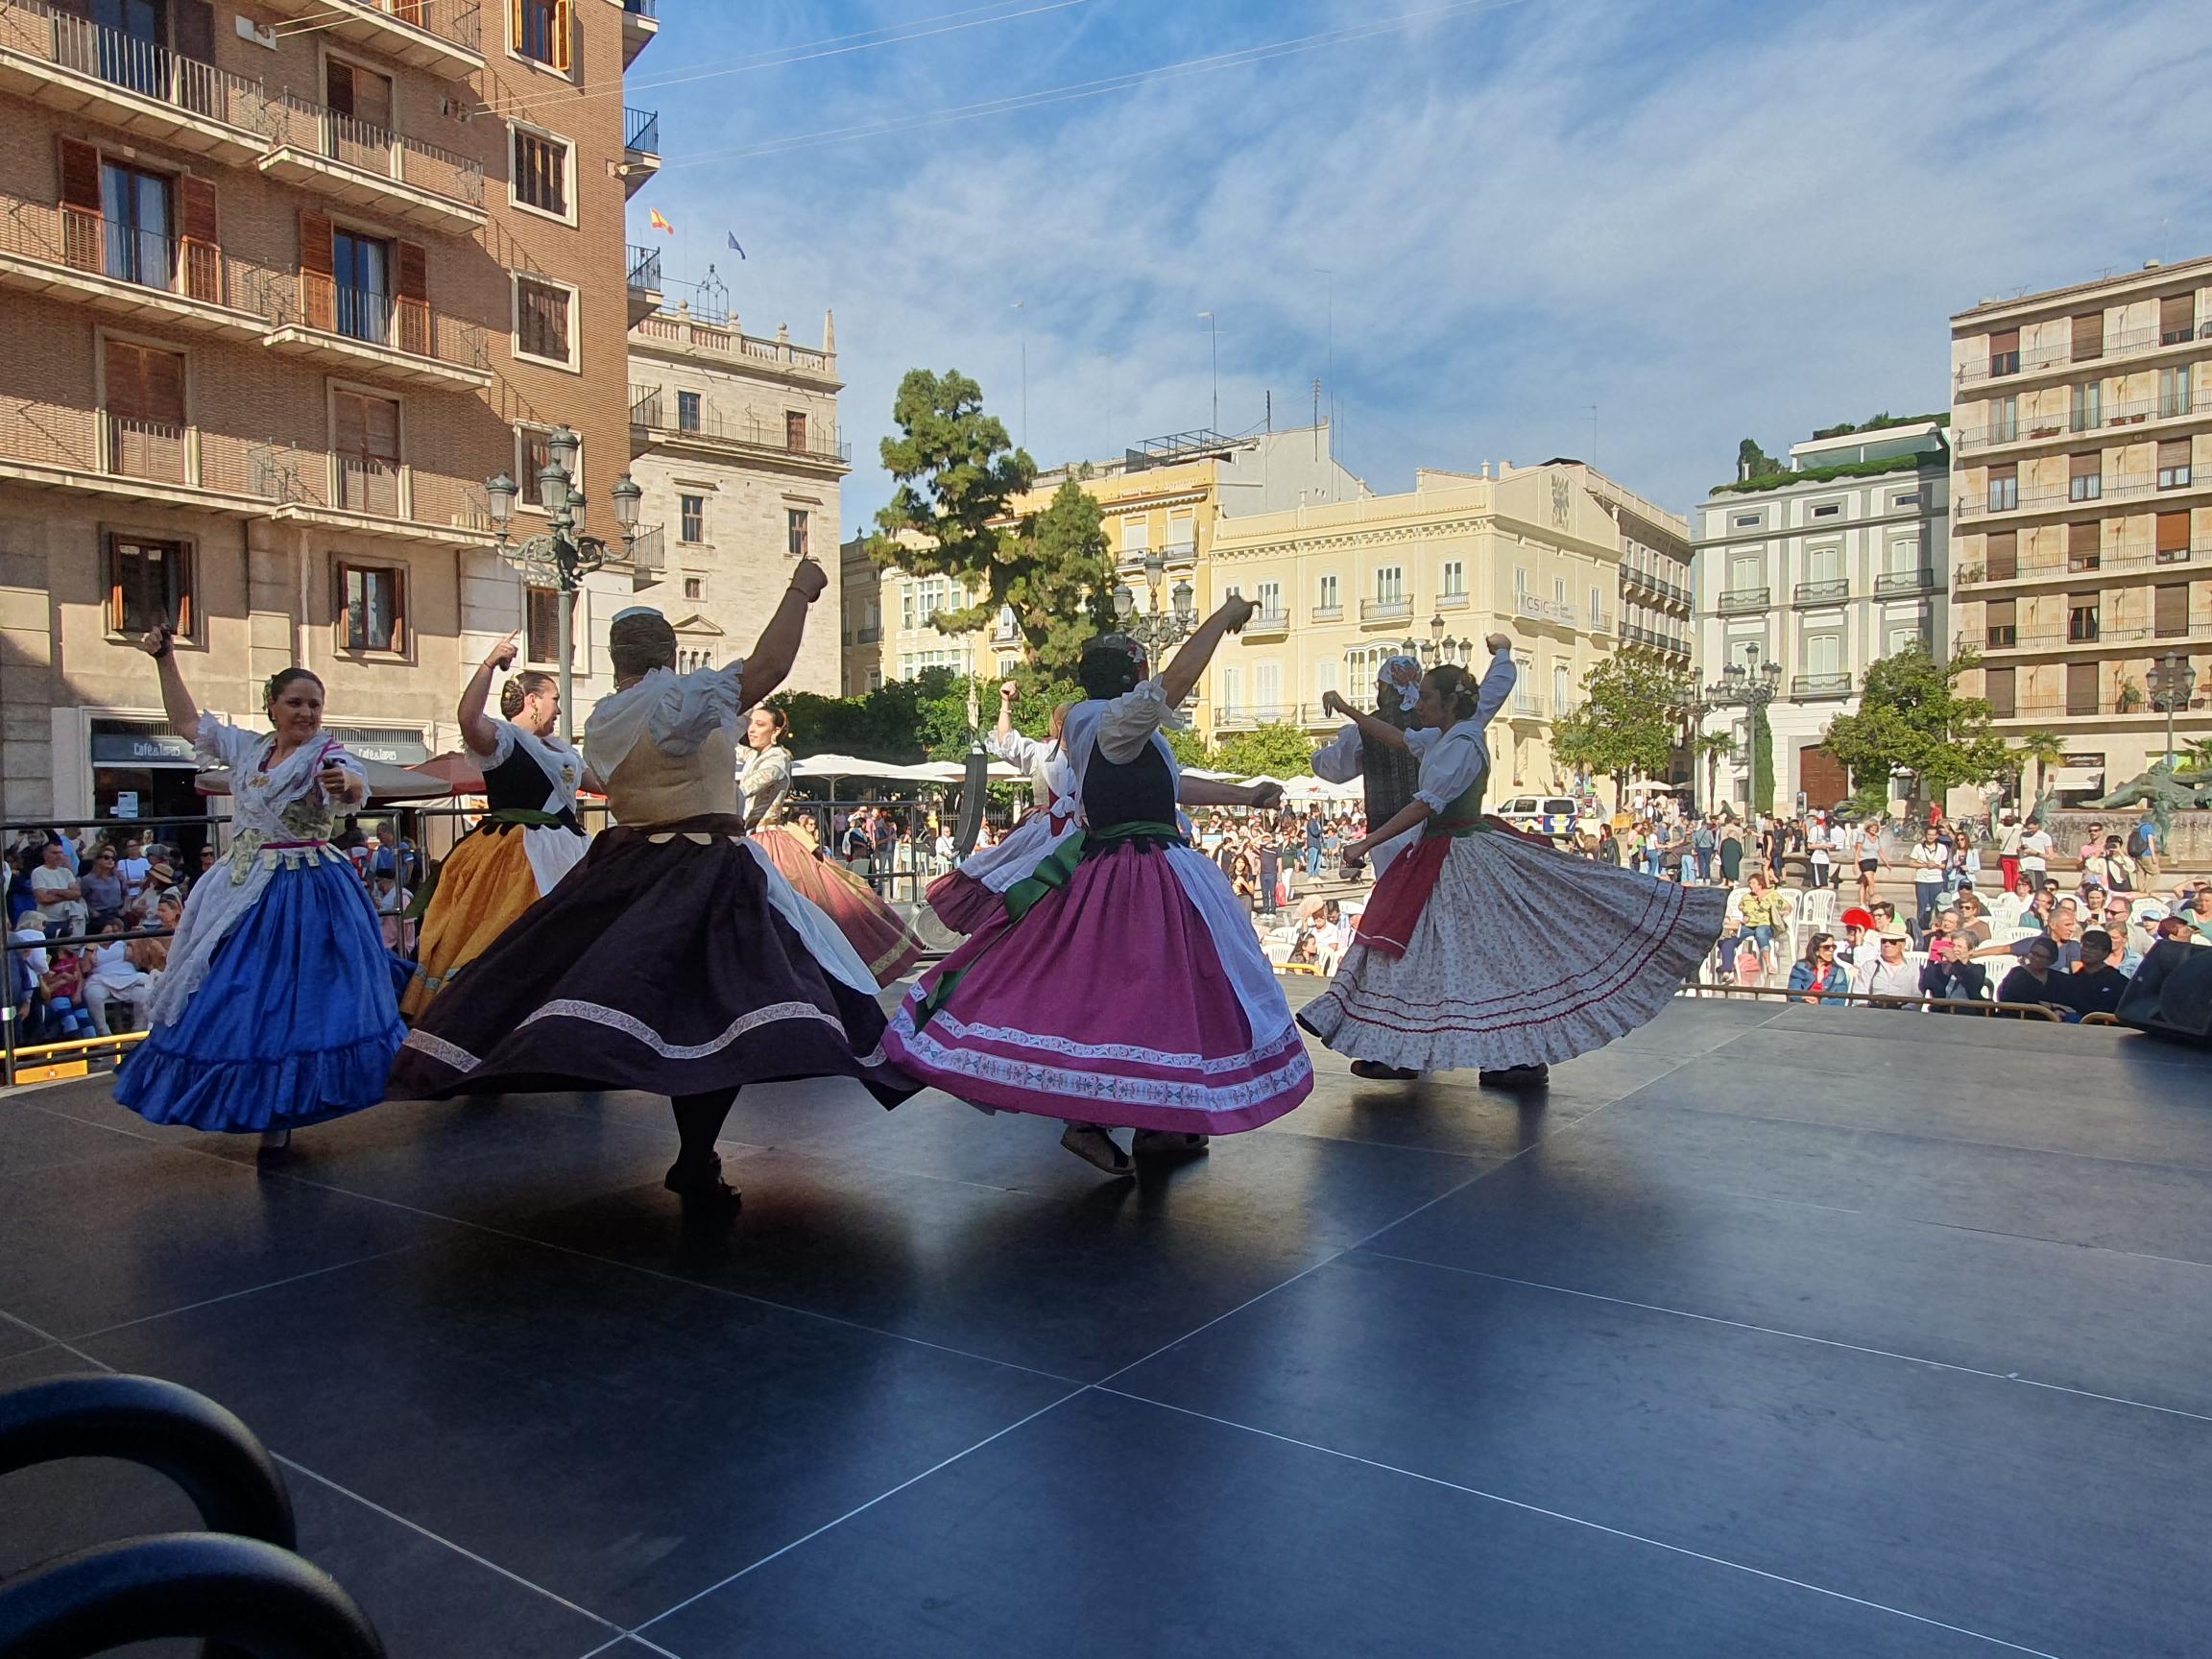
{"x": 1376, "y": 1072}
{"x": 1517, "y": 1078}
{"x": 275, "y": 1150}
{"x": 701, "y": 1188}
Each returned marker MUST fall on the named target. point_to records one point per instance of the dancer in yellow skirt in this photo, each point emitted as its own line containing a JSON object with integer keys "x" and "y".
{"x": 525, "y": 843}
{"x": 871, "y": 926}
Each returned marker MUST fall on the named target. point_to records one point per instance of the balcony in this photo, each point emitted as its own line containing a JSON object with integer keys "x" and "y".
{"x": 1526, "y": 705}
{"x": 1385, "y": 610}
{"x": 1738, "y": 601}
{"x": 2064, "y": 566}
{"x": 2048, "y": 360}
{"x": 373, "y": 335}
{"x": 1816, "y": 688}
{"x": 136, "y": 277}
{"x": 640, "y": 24}
{"x": 680, "y": 332}
{"x": 1820, "y": 592}
{"x": 1328, "y": 614}
{"x": 2060, "y": 430}
{"x": 1600, "y": 621}
{"x": 868, "y": 636}
{"x": 1894, "y": 582}
{"x": 1559, "y": 613}
{"x": 1452, "y": 601}
{"x": 1268, "y": 624}
{"x": 443, "y": 37}
{"x": 644, "y": 282}
{"x": 374, "y": 168}
{"x": 2066, "y": 501}
{"x": 103, "y": 76}
{"x": 657, "y": 418}
{"x": 640, "y": 149}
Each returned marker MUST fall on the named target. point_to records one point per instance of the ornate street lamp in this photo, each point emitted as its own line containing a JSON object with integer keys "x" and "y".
{"x": 2172, "y": 683}
{"x": 1155, "y": 629}
{"x": 561, "y": 556}
{"x": 1750, "y": 686}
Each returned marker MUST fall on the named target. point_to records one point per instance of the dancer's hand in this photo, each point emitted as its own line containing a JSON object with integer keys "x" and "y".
{"x": 1238, "y": 611}
{"x": 808, "y": 580}
{"x": 1354, "y": 863}
{"x": 1332, "y": 703}
{"x": 337, "y": 782}
{"x": 1264, "y": 795}
{"x": 502, "y": 655}
{"x": 156, "y": 640}
{"x": 1008, "y": 691}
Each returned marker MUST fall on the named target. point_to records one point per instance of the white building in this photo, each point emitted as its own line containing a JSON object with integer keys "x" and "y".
{"x": 1824, "y": 570}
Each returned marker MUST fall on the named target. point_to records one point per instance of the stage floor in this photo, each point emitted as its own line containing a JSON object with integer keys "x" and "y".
{"x": 1765, "y": 1331}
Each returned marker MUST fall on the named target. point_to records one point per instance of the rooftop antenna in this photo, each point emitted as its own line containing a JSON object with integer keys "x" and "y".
{"x": 1214, "y": 328}
{"x": 1593, "y": 437}
{"x": 1317, "y": 420}
{"x": 1019, "y": 306}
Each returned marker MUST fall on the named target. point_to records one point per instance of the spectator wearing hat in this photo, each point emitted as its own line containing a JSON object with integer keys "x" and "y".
{"x": 1857, "y": 937}
{"x": 1888, "y": 978}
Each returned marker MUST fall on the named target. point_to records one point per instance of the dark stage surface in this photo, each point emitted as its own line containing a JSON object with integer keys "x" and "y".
{"x": 1765, "y": 1331}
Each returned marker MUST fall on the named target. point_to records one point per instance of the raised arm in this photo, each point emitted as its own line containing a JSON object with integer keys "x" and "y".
{"x": 477, "y": 728}
{"x": 1212, "y": 792}
{"x": 1497, "y": 680}
{"x": 1006, "y": 695}
{"x": 161, "y": 644}
{"x": 770, "y": 661}
{"x": 1381, "y": 731}
{"x": 1183, "y": 674}
{"x": 1339, "y": 762}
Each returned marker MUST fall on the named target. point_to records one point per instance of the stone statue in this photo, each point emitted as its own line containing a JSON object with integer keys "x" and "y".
{"x": 2167, "y": 789}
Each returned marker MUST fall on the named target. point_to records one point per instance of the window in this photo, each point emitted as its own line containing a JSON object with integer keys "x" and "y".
{"x": 2177, "y": 318}
{"x": 932, "y": 599}
{"x": 2084, "y": 551}
{"x": 1824, "y": 563}
{"x": 1824, "y": 654}
{"x": 1136, "y": 537}
{"x": 1997, "y": 685}
{"x": 542, "y": 625}
{"x": 795, "y": 431}
{"x": 144, "y": 390}
{"x": 1562, "y": 690}
{"x": 2081, "y": 689}
{"x": 1454, "y": 579}
{"x": 360, "y": 94}
{"x": 2004, "y": 419}
{"x": 686, "y": 411}
{"x": 2004, "y": 352}
{"x": 541, "y": 322}
{"x": 1559, "y": 592}
{"x": 1182, "y": 535}
{"x": 540, "y": 172}
{"x": 2005, "y": 487}
{"x": 695, "y": 588}
{"x": 1745, "y": 522}
{"x": 1827, "y": 509}
{"x": 1903, "y": 499}
{"x": 2003, "y": 556}
{"x": 540, "y": 29}
{"x": 2082, "y": 624}
{"x": 1267, "y": 689}
{"x": 795, "y": 531}
{"x": 1744, "y": 573}
{"x": 1520, "y": 583}
{"x": 365, "y": 441}
{"x": 1326, "y": 597}
{"x": 1232, "y": 690}
{"x": 692, "y": 511}
{"x": 2174, "y": 470}
{"x": 2085, "y": 478}
{"x": 1390, "y": 584}
{"x": 1904, "y": 636}
{"x": 906, "y": 606}
{"x": 148, "y": 582}
{"x": 2173, "y": 391}
{"x": 134, "y": 208}
{"x": 2089, "y": 337}
{"x": 2087, "y": 412}
{"x": 2172, "y": 536}
{"x": 373, "y": 607}
{"x": 2001, "y": 624}
{"x": 2170, "y": 616}
{"x": 362, "y": 278}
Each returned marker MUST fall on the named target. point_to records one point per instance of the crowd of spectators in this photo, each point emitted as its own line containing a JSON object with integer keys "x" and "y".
{"x": 87, "y": 919}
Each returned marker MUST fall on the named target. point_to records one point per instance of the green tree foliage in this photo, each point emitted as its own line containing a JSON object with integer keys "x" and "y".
{"x": 908, "y": 721}
{"x": 1912, "y": 719}
{"x": 1191, "y": 750}
{"x": 1753, "y": 462}
{"x": 1762, "y": 760}
{"x": 1271, "y": 751}
{"x": 951, "y": 513}
{"x": 1630, "y": 721}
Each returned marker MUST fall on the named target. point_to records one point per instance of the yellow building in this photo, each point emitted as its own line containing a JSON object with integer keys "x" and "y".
{"x": 1534, "y": 552}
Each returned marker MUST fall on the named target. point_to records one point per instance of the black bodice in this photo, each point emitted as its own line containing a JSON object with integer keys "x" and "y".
{"x": 1138, "y": 791}
{"x": 518, "y": 781}
{"x": 1388, "y": 775}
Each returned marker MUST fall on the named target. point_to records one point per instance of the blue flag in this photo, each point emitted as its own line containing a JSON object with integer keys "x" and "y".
{"x": 734, "y": 243}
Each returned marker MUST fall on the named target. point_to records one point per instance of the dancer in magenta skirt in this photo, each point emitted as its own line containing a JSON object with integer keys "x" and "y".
{"x": 1122, "y": 986}
{"x": 971, "y": 896}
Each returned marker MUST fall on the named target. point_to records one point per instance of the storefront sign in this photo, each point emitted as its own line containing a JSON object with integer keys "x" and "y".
{"x": 393, "y": 746}
{"x": 137, "y": 743}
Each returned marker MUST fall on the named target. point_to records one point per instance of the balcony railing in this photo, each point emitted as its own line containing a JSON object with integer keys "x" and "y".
{"x": 1384, "y": 609}
{"x": 2135, "y": 343}
{"x": 1811, "y": 687}
{"x": 1328, "y": 612}
{"x": 73, "y": 240}
{"x": 650, "y": 411}
{"x": 441, "y": 35}
{"x": 374, "y": 153}
{"x": 1904, "y": 582}
{"x": 338, "y": 312}
{"x": 2065, "y": 564}
{"x": 2034, "y": 428}
{"x": 642, "y": 131}
{"x": 644, "y": 268}
{"x": 1267, "y": 622}
{"x": 1736, "y": 601}
{"x": 868, "y": 636}
{"x": 149, "y": 449}
{"x": 679, "y": 329}
{"x": 1527, "y": 705}
{"x": 2044, "y": 500}
{"x": 369, "y": 486}
{"x": 1820, "y": 592}
{"x": 32, "y": 30}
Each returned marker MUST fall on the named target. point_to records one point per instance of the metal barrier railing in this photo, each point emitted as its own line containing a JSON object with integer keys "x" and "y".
{"x": 1943, "y": 1004}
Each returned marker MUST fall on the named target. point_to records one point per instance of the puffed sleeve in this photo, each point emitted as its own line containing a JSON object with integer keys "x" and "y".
{"x": 219, "y": 743}
{"x": 503, "y": 744}
{"x": 1126, "y": 723}
{"x": 1449, "y": 770}
{"x": 1420, "y": 739}
{"x": 693, "y": 705}
{"x": 1015, "y": 749}
{"x": 767, "y": 782}
{"x": 1340, "y": 762}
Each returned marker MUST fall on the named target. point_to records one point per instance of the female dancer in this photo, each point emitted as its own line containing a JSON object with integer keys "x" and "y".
{"x": 1389, "y": 773}
{"x": 972, "y": 895}
{"x": 884, "y": 943}
{"x": 673, "y": 958}
{"x": 1483, "y": 948}
{"x": 277, "y": 1009}
{"x": 528, "y": 839}
{"x": 1122, "y": 986}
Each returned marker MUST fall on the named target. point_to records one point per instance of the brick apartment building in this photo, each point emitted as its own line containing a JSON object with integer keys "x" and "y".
{"x": 280, "y": 286}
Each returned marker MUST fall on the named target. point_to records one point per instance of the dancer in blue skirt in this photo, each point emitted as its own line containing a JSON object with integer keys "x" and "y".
{"x": 276, "y": 1008}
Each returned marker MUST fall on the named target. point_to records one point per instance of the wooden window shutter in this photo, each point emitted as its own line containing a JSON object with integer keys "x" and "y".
{"x": 341, "y": 588}
{"x": 338, "y": 85}
{"x": 2176, "y": 317}
{"x": 2089, "y": 336}
{"x": 2173, "y": 613}
{"x": 412, "y": 296}
{"x": 380, "y": 429}
{"x": 563, "y": 27}
{"x": 124, "y": 374}
{"x": 515, "y": 23}
{"x": 194, "y": 24}
{"x": 2003, "y": 612}
{"x": 2081, "y": 544}
{"x": 82, "y": 232}
{"x": 1998, "y": 688}
{"x": 201, "y": 231}
{"x": 2007, "y": 341}
{"x": 117, "y": 557}
{"x": 2080, "y": 687}
{"x": 318, "y": 269}
{"x": 165, "y": 388}
{"x": 2090, "y": 465}
{"x": 2172, "y": 452}
{"x": 2003, "y": 556}
{"x": 2173, "y": 532}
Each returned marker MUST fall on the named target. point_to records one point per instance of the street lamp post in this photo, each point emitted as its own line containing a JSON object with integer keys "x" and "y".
{"x": 1750, "y": 686}
{"x": 561, "y": 556}
{"x": 2172, "y": 683}
{"x": 1155, "y": 629}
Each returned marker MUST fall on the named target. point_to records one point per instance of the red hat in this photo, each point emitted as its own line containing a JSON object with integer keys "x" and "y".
{"x": 1857, "y": 918}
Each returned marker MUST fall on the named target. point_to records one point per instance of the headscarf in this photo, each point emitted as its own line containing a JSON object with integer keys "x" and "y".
{"x": 639, "y": 639}
{"x": 1403, "y": 675}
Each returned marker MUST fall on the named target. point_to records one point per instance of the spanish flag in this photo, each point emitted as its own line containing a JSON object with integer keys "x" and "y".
{"x": 661, "y": 223}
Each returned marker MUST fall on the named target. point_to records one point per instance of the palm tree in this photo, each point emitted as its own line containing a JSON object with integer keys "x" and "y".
{"x": 2048, "y": 753}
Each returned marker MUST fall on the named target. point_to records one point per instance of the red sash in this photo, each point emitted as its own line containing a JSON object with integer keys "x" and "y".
{"x": 1403, "y": 893}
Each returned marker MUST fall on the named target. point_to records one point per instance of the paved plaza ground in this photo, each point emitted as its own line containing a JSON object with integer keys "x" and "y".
{"x": 1765, "y": 1331}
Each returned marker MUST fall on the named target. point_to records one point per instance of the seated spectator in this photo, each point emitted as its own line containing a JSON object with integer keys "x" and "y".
{"x": 2034, "y": 981}
{"x": 103, "y": 887}
{"x": 1888, "y": 976}
{"x": 64, "y": 984}
{"x": 1950, "y": 973}
{"x": 1857, "y": 938}
{"x": 1972, "y": 919}
{"x": 2098, "y": 986}
{"x": 55, "y": 885}
{"x": 1819, "y": 978}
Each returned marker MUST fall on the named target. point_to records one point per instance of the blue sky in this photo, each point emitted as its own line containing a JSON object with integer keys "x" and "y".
{"x": 1702, "y": 221}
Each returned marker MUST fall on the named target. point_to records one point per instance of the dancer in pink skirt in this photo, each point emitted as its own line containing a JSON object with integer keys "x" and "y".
{"x": 1122, "y": 985}
{"x": 1486, "y": 949}
{"x": 971, "y": 896}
